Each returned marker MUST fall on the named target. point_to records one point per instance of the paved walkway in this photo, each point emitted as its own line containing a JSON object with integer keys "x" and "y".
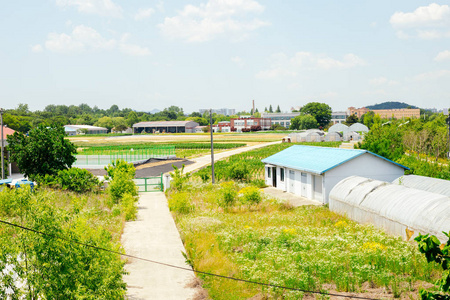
{"x": 154, "y": 236}
{"x": 294, "y": 200}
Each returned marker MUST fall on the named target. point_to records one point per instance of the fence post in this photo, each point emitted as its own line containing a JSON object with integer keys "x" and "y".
{"x": 161, "y": 183}
{"x": 145, "y": 183}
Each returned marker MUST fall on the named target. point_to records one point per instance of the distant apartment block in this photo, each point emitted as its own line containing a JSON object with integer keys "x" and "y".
{"x": 399, "y": 113}
{"x": 246, "y": 123}
{"x": 283, "y": 119}
{"x": 338, "y": 117}
{"x": 221, "y": 111}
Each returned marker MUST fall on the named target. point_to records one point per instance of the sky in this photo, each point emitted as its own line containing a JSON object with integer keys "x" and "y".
{"x": 152, "y": 54}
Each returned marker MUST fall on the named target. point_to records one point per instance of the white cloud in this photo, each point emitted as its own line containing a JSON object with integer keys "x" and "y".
{"x": 144, "y": 13}
{"x": 216, "y": 17}
{"x": 83, "y": 38}
{"x": 37, "y": 48}
{"x": 134, "y": 50}
{"x": 238, "y": 61}
{"x": 444, "y": 55}
{"x": 283, "y": 66}
{"x": 99, "y": 7}
{"x": 382, "y": 81}
{"x": 433, "y": 75}
{"x": 426, "y": 22}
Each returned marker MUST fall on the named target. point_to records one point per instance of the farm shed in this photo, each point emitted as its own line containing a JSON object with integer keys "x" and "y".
{"x": 429, "y": 184}
{"x": 392, "y": 207}
{"x": 87, "y": 129}
{"x": 165, "y": 127}
{"x": 312, "y": 172}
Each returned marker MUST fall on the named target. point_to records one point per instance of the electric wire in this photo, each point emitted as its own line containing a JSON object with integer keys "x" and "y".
{"x": 182, "y": 268}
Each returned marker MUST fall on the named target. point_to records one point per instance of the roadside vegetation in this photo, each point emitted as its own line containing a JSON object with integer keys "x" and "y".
{"x": 46, "y": 258}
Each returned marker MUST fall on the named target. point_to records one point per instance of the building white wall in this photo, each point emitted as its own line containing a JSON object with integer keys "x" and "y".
{"x": 366, "y": 165}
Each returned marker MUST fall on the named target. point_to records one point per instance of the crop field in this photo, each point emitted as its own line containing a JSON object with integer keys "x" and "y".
{"x": 228, "y": 231}
{"x": 257, "y": 137}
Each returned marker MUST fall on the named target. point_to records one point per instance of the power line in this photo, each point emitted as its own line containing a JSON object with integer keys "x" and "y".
{"x": 182, "y": 268}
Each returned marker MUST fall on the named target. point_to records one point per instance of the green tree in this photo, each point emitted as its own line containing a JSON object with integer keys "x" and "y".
{"x": 438, "y": 253}
{"x": 350, "y": 120}
{"x": 278, "y": 109}
{"x": 320, "y": 111}
{"x": 303, "y": 122}
{"x": 44, "y": 151}
{"x": 132, "y": 118}
{"x": 105, "y": 122}
{"x": 270, "y": 108}
{"x": 386, "y": 141}
{"x": 120, "y": 124}
{"x": 368, "y": 119}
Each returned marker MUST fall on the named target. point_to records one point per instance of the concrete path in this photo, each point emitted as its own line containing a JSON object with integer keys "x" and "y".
{"x": 294, "y": 200}
{"x": 205, "y": 160}
{"x": 154, "y": 236}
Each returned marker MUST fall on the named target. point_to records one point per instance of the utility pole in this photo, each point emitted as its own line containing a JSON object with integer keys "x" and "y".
{"x": 1, "y": 133}
{"x": 212, "y": 147}
{"x": 446, "y": 113}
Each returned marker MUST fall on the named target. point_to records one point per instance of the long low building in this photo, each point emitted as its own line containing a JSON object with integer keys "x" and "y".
{"x": 84, "y": 129}
{"x": 311, "y": 172}
{"x": 165, "y": 127}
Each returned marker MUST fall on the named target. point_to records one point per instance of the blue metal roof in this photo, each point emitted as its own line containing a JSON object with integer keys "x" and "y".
{"x": 316, "y": 160}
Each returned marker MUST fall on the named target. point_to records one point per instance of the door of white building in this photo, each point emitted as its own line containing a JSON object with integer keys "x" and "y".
{"x": 318, "y": 188}
{"x": 291, "y": 181}
{"x": 304, "y": 182}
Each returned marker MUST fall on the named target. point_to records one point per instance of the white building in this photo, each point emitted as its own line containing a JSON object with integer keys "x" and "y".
{"x": 312, "y": 172}
{"x": 338, "y": 117}
{"x": 283, "y": 119}
{"x": 84, "y": 129}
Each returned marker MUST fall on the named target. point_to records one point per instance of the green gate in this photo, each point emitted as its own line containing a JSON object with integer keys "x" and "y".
{"x": 150, "y": 184}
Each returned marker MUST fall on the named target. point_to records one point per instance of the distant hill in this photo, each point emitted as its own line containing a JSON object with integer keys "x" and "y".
{"x": 391, "y": 105}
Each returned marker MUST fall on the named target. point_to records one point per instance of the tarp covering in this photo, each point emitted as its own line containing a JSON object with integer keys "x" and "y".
{"x": 392, "y": 207}
{"x": 434, "y": 185}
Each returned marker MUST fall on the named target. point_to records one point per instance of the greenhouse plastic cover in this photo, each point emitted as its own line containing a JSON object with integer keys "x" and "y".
{"x": 338, "y": 127}
{"x": 358, "y": 127}
{"x": 434, "y": 185}
{"x": 392, "y": 207}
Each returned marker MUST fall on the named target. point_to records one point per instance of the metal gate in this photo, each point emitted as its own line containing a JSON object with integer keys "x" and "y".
{"x": 150, "y": 184}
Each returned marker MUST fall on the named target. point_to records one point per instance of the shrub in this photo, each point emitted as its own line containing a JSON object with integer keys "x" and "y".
{"x": 228, "y": 194}
{"x": 250, "y": 195}
{"x": 238, "y": 171}
{"x": 178, "y": 179}
{"x": 77, "y": 180}
{"x": 180, "y": 202}
{"x": 73, "y": 179}
{"x": 128, "y": 206}
{"x": 119, "y": 164}
{"x": 120, "y": 185}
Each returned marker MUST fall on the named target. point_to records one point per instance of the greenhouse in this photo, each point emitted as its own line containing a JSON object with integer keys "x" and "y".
{"x": 338, "y": 128}
{"x": 399, "y": 210}
{"x": 333, "y": 137}
{"x": 358, "y": 127}
{"x": 433, "y": 185}
{"x": 351, "y": 136}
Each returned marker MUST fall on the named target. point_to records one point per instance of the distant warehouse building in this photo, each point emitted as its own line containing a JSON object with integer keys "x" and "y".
{"x": 165, "y": 127}
{"x": 84, "y": 129}
{"x": 283, "y": 119}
